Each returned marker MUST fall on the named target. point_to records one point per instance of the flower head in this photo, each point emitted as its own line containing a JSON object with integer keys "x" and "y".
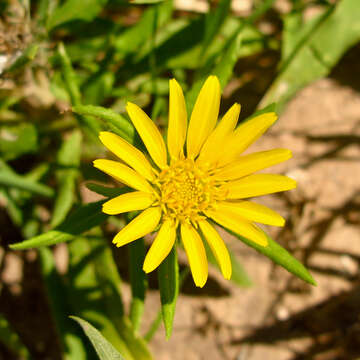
{"x": 199, "y": 178}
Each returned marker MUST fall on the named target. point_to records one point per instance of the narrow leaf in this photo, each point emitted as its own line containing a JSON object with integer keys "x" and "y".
{"x": 70, "y": 10}
{"x": 68, "y": 161}
{"x": 83, "y": 219}
{"x": 280, "y": 256}
{"x": 70, "y": 79}
{"x": 168, "y": 275}
{"x": 214, "y": 21}
{"x": 103, "y": 348}
{"x": 12, "y": 180}
{"x": 124, "y": 128}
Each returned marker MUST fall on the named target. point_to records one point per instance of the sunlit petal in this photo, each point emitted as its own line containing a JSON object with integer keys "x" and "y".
{"x": 252, "y": 211}
{"x": 177, "y": 121}
{"x": 244, "y": 135}
{"x": 123, "y": 174}
{"x": 149, "y": 134}
{"x": 218, "y": 247}
{"x": 257, "y": 185}
{"x": 248, "y": 164}
{"x": 196, "y": 254}
{"x": 127, "y": 153}
{"x": 142, "y": 225}
{"x": 238, "y": 225}
{"x": 161, "y": 246}
{"x": 204, "y": 116}
{"x": 137, "y": 200}
{"x": 210, "y": 151}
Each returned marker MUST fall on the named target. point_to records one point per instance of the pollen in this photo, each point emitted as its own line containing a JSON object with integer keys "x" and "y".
{"x": 186, "y": 190}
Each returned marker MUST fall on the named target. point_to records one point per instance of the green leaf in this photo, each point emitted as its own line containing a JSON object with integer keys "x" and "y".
{"x": 68, "y": 162}
{"x": 72, "y": 86}
{"x": 313, "y": 49}
{"x": 12, "y": 207}
{"x": 132, "y": 39}
{"x": 224, "y": 68}
{"x": 103, "y": 348}
{"x": 11, "y": 340}
{"x": 70, "y": 10}
{"x": 280, "y": 256}
{"x": 84, "y": 218}
{"x": 69, "y": 75}
{"x": 124, "y": 128}
{"x": 214, "y": 21}
{"x": 19, "y": 140}
{"x": 168, "y": 274}
{"x": 138, "y": 281}
{"x": 10, "y": 179}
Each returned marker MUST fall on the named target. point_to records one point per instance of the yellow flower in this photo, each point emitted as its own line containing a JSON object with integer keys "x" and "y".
{"x": 182, "y": 189}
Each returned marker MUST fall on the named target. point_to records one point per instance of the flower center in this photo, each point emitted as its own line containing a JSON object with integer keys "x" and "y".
{"x": 186, "y": 190}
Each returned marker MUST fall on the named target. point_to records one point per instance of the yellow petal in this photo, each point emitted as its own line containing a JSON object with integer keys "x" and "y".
{"x": 204, "y": 116}
{"x": 177, "y": 121}
{"x": 238, "y": 225}
{"x": 149, "y": 134}
{"x": 123, "y": 174}
{"x": 218, "y": 247}
{"x": 142, "y": 225}
{"x": 161, "y": 246}
{"x": 196, "y": 254}
{"x": 251, "y": 163}
{"x": 137, "y": 200}
{"x": 257, "y": 185}
{"x": 210, "y": 151}
{"x": 252, "y": 211}
{"x": 244, "y": 135}
{"x": 127, "y": 153}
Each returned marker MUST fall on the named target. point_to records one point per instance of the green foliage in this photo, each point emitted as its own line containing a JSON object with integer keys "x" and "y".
{"x": 78, "y": 64}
